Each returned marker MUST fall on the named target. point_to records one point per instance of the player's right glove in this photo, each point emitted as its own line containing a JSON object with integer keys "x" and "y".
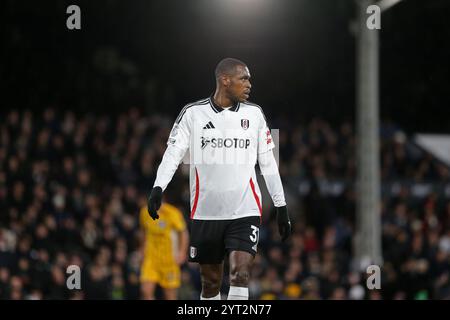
{"x": 154, "y": 202}
{"x": 284, "y": 224}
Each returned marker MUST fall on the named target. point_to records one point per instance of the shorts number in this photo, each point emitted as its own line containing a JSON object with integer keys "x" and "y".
{"x": 255, "y": 234}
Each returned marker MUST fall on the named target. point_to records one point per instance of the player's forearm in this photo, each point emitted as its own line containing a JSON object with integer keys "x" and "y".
{"x": 184, "y": 241}
{"x": 169, "y": 164}
{"x": 143, "y": 242}
{"x": 183, "y": 244}
{"x": 269, "y": 169}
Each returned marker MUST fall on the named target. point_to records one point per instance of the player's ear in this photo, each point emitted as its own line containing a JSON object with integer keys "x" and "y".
{"x": 225, "y": 80}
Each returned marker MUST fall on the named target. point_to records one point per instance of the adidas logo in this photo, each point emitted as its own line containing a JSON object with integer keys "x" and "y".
{"x": 209, "y": 125}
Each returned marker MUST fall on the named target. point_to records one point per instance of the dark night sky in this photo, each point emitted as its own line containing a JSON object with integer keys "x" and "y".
{"x": 300, "y": 54}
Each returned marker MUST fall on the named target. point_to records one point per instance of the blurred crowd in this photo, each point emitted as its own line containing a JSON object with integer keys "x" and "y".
{"x": 71, "y": 187}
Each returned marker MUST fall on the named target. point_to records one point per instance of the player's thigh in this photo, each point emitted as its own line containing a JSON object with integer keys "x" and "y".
{"x": 149, "y": 272}
{"x": 207, "y": 241}
{"x": 243, "y": 235}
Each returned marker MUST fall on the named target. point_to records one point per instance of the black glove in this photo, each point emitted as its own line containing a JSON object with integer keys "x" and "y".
{"x": 154, "y": 202}
{"x": 284, "y": 224}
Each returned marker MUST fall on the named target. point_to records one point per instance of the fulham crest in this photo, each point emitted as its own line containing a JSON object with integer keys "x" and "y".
{"x": 245, "y": 123}
{"x": 193, "y": 252}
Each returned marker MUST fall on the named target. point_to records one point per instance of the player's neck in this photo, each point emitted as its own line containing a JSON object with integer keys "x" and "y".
{"x": 221, "y": 100}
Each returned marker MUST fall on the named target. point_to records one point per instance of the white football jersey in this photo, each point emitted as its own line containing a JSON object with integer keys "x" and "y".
{"x": 222, "y": 146}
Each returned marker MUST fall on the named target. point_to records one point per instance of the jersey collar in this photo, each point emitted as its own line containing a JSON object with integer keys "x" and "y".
{"x": 218, "y": 109}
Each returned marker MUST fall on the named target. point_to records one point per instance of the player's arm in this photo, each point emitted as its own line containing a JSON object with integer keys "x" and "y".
{"x": 142, "y": 231}
{"x": 269, "y": 170}
{"x": 179, "y": 225}
{"x": 183, "y": 239}
{"x": 177, "y": 145}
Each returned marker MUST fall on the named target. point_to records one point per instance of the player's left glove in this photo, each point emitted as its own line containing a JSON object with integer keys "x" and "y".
{"x": 284, "y": 224}
{"x": 154, "y": 202}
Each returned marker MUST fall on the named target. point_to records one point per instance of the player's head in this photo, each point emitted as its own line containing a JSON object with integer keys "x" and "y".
{"x": 233, "y": 76}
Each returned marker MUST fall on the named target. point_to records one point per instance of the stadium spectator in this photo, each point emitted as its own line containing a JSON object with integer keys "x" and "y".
{"x": 65, "y": 200}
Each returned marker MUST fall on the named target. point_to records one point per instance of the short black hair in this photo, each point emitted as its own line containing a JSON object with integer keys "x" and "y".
{"x": 227, "y": 66}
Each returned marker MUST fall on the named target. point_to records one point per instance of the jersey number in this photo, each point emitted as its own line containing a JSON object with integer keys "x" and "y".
{"x": 255, "y": 234}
